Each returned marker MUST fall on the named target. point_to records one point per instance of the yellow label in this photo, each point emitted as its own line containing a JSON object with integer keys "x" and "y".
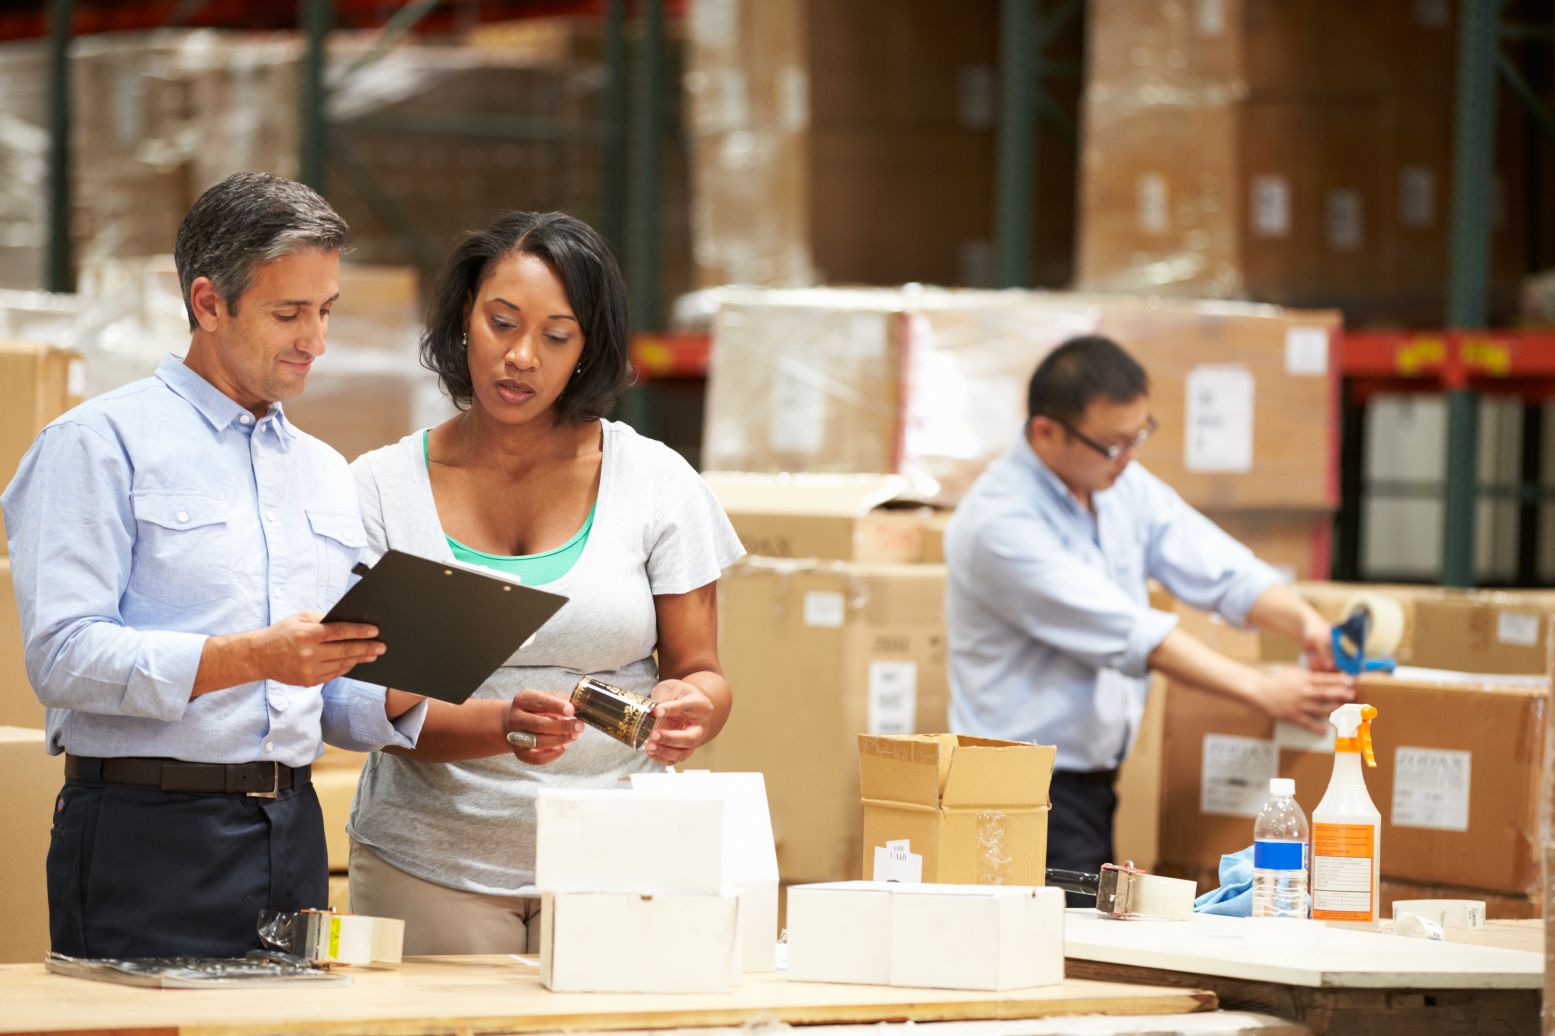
{"x": 334, "y": 938}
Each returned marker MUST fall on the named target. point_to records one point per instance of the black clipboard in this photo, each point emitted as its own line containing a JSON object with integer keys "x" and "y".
{"x": 447, "y": 627}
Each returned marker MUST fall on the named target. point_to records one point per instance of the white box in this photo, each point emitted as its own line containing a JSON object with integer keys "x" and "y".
{"x": 992, "y": 937}
{"x": 609, "y": 943}
{"x": 749, "y": 859}
{"x": 628, "y": 842}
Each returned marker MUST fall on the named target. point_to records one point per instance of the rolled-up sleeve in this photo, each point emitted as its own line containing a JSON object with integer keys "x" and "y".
{"x": 1199, "y": 563}
{"x": 72, "y": 535}
{"x": 1022, "y": 572}
{"x": 354, "y": 718}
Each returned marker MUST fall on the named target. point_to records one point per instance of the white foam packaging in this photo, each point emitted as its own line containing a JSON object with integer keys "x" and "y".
{"x": 749, "y": 858}
{"x": 629, "y": 842}
{"x": 989, "y": 937}
{"x": 615, "y": 943}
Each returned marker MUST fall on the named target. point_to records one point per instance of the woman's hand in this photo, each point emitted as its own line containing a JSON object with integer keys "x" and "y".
{"x": 680, "y": 718}
{"x": 549, "y": 718}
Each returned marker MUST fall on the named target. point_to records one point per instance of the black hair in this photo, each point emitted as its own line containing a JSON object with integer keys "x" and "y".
{"x": 1079, "y": 372}
{"x": 595, "y": 289}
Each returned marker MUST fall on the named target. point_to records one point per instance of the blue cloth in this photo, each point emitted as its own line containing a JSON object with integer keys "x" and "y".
{"x": 1234, "y": 897}
{"x": 152, "y": 517}
{"x": 1047, "y": 610}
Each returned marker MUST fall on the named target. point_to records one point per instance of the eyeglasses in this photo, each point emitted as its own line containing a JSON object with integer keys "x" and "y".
{"x": 1116, "y": 450}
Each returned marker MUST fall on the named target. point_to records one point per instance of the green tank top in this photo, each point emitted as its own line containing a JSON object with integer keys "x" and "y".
{"x": 530, "y": 569}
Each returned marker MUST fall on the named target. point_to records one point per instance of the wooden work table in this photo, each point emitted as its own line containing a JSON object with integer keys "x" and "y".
{"x": 498, "y": 994}
{"x": 1334, "y": 980}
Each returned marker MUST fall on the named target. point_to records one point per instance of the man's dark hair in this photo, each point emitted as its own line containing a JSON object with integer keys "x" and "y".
{"x": 245, "y": 221}
{"x": 1079, "y": 372}
{"x": 595, "y": 289}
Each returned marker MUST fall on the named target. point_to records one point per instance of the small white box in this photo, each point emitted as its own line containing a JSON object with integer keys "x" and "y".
{"x": 990, "y": 937}
{"x": 629, "y": 842}
{"x": 749, "y": 859}
{"x": 609, "y": 943}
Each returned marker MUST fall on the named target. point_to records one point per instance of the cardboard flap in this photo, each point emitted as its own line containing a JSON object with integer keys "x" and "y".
{"x": 909, "y": 768}
{"x": 985, "y": 772}
{"x": 820, "y": 495}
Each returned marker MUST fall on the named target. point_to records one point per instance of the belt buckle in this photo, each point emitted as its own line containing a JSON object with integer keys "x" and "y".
{"x": 275, "y": 784}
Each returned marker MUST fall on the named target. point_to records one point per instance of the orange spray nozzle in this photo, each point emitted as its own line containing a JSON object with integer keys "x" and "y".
{"x": 1368, "y": 713}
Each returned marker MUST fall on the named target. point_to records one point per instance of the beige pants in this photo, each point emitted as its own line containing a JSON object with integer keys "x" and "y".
{"x": 438, "y": 919}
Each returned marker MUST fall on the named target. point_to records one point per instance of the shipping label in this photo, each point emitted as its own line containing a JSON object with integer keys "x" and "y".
{"x": 1344, "y": 212}
{"x": 1219, "y": 437}
{"x": 1150, "y": 197}
{"x": 1271, "y": 206}
{"x": 1236, "y": 775}
{"x": 1431, "y": 788}
{"x": 1306, "y": 351}
{"x": 893, "y": 697}
{"x": 1519, "y": 628}
{"x": 824, "y": 609}
{"x": 895, "y": 861}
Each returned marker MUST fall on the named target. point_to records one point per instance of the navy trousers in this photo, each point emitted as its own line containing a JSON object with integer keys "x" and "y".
{"x": 1079, "y": 829}
{"x": 139, "y": 872}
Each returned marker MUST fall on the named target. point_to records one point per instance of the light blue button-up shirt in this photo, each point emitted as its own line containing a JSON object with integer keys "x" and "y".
{"x": 1047, "y": 608}
{"x": 152, "y": 517}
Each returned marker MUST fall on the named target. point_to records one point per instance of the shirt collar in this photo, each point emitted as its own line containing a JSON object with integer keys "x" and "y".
{"x": 218, "y": 409}
{"x": 1025, "y": 458}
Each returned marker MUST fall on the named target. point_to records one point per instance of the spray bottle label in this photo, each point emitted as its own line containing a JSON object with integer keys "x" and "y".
{"x": 1342, "y": 870}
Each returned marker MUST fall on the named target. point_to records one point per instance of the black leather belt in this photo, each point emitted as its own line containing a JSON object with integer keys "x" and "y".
{"x": 260, "y": 780}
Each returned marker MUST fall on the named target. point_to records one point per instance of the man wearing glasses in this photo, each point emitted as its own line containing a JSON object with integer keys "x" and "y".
{"x": 1051, "y": 634}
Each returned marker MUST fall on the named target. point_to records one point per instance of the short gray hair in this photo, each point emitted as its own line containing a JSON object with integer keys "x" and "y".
{"x": 245, "y": 221}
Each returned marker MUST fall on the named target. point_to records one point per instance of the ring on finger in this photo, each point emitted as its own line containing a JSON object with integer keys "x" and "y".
{"x": 522, "y": 739}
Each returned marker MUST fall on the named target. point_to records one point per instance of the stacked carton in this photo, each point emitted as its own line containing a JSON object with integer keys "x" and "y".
{"x": 854, "y": 143}
{"x": 1319, "y": 168}
{"x": 1459, "y": 743}
{"x": 32, "y": 779}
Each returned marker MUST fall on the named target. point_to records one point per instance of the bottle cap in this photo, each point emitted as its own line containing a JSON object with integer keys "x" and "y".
{"x": 1282, "y": 786}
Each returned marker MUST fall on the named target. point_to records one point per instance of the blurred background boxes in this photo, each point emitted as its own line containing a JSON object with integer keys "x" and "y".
{"x": 32, "y": 779}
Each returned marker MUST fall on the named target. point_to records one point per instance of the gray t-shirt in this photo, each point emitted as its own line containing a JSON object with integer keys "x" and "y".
{"x": 658, "y": 529}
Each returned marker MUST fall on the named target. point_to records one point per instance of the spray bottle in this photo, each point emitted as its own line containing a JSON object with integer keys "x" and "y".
{"x": 1347, "y": 829}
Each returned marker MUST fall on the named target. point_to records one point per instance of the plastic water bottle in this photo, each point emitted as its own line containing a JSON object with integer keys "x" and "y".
{"x": 1280, "y": 854}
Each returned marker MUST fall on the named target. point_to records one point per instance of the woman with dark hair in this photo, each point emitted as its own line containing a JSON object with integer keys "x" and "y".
{"x": 527, "y": 333}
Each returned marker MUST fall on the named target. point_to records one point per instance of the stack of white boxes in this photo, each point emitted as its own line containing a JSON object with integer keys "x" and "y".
{"x": 653, "y": 890}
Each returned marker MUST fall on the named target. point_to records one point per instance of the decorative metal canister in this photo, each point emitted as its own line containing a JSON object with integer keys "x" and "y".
{"x": 625, "y": 715}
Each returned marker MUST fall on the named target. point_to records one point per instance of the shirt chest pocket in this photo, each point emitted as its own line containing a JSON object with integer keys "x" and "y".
{"x": 338, "y": 539}
{"x": 182, "y": 547}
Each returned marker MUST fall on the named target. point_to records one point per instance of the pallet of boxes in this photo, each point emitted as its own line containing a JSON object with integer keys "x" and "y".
{"x": 1460, "y": 747}
{"x": 38, "y": 382}
{"x": 841, "y": 408}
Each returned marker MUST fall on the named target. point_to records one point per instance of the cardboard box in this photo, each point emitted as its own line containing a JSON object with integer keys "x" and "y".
{"x": 819, "y": 652}
{"x": 628, "y": 842}
{"x": 932, "y": 936}
{"x": 974, "y": 808}
{"x": 336, "y": 788}
{"x": 1485, "y": 633}
{"x": 936, "y": 387}
{"x": 1136, "y": 827}
{"x": 38, "y": 382}
{"x": 32, "y": 779}
{"x": 749, "y": 860}
{"x": 821, "y": 516}
{"x": 613, "y": 943}
{"x": 19, "y": 705}
{"x": 1456, "y": 781}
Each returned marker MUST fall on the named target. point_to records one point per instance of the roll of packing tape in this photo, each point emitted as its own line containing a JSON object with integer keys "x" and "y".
{"x": 1449, "y": 913}
{"x": 1387, "y": 622}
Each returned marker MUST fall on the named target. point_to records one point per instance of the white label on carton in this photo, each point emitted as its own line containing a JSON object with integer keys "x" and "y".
{"x": 793, "y": 99}
{"x": 1151, "y": 201}
{"x": 1519, "y": 628}
{"x": 1220, "y": 419}
{"x": 1431, "y": 788}
{"x": 1432, "y": 13}
{"x": 1306, "y": 351}
{"x": 1211, "y": 20}
{"x": 1416, "y": 197}
{"x": 714, "y": 22}
{"x": 825, "y": 609}
{"x": 976, "y": 96}
{"x": 895, "y": 861}
{"x": 798, "y": 409}
{"x": 75, "y": 378}
{"x": 1271, "y": 206}
{"x": 893, "y": 697}
{"x": 1345, "y": 220}
{"x": 867, "y": 335}
{"x": 1236, "y": 775}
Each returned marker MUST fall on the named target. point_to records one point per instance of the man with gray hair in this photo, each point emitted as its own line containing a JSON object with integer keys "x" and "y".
{"x": 172, "y": 545}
